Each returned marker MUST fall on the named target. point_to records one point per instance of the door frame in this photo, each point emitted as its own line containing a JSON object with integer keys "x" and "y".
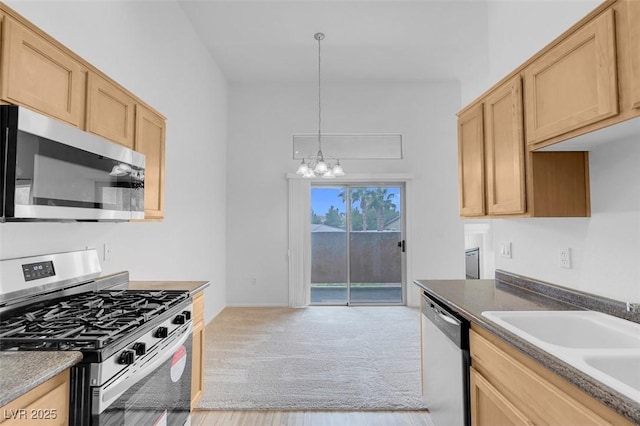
{"x": 299, "y": 253}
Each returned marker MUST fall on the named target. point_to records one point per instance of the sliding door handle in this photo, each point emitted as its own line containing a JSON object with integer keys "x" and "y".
{"x": 402, "y": 245}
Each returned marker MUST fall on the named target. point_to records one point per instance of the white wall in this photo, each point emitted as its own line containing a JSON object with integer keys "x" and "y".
{"x": 262, "y": 119}
{"x": 606, "y": 247}
{"x": 151, "y": 49}
{"x": 518, "y": 29}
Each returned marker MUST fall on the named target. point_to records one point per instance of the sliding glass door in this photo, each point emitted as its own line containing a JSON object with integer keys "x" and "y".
{"x": 357, "y": 245}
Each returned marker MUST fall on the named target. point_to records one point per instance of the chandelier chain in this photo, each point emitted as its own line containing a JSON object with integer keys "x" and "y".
{"x": 319, "y": 166}
{"x": 319, "y": 37}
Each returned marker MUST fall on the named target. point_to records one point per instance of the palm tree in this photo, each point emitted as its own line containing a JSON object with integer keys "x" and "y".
{"x": 364, "y": 196}
{"x": 381, "y": 202}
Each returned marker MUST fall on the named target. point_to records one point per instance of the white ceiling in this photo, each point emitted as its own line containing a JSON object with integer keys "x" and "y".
{"x": 272, "y": 41}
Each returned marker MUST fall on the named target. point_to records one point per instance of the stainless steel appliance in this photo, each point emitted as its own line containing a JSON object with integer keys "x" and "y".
{"x": 136, "y": 344}
{"x": 446, "y": 361}
{"x": 52, "y": 171}
{"x": 472, "y": 263}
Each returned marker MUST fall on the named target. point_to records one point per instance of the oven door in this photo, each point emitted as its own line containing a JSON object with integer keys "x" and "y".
{"x": 159, "y": 393}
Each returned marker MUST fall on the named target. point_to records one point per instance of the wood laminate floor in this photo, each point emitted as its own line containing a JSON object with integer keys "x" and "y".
{"x": 311, "y": 418}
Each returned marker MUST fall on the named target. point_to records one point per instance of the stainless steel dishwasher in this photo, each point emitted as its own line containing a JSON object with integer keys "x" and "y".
{"x": 445, "y": 364}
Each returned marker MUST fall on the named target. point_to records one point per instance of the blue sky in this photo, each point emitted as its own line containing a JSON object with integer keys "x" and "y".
{"x": 322, "y": 198}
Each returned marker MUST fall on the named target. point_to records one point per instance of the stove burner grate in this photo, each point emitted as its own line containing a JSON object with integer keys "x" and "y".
{"x": 87, "y": 321}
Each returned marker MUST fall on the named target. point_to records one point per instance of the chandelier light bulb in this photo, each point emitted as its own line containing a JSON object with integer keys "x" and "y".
{"x": 337, "y": 169}
{"x": 321, "y": 167}
{"x": 302, "y": 168}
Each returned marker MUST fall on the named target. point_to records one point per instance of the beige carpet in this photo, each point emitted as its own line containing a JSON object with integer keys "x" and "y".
{"x": 317, "y": 358}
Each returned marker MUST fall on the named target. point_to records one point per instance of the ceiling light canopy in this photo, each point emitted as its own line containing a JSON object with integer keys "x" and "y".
{"x": 319, "y": 165}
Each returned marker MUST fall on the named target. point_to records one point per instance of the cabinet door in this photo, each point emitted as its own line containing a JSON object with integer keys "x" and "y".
{"x": 197, "y": 366}
{"x": 633, "y": 14}
{"x": 505, "y": 150}
{"x": 490, "y": 408}
{"x": 49, "y": 401}
{"x": 574, "y": 84}
{"x": 471, "y": 162}
{"x": 39, "y": 75}
{"x": 197, "y": 371}
{"x": 110, "y": 111}
{"x": 150, "y": 139}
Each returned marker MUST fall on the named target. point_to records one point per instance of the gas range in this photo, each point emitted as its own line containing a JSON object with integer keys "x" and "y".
{"x": 92, "y": 322}
{"x": 131, "y": 340}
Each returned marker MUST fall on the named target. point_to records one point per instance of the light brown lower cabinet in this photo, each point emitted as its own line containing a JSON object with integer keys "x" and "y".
{"x": 46, "y": 404}
{"x": 197, "y": 360}
{"x": 490, "y": 407}
{"x": 509, "y": 388}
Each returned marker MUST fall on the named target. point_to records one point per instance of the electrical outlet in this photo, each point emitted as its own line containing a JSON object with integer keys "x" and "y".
{"x": 505, "y": 250}
{"x": 564, "y": 258}
{"x": 107, "y": 252}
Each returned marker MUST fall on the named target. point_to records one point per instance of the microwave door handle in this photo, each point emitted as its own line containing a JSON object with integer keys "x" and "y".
{"x": 112, "y": 391}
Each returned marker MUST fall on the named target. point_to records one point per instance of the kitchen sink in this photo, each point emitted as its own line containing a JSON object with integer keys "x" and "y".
{"x": 570, "y": 329}
{"x": 602, "y": 346}
{"x": 625, "y": 368}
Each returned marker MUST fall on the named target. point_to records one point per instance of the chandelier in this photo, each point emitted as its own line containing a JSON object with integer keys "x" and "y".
{"x": 319, "y": 165}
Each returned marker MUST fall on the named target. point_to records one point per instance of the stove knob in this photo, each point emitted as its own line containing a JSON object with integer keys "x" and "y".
{"x": 161, "y": 332}
{"x": 140, "y": 348}
{"x": 187, "y": 314}
{"x": 127, "y": 357}
{"x": 179, "y": 319}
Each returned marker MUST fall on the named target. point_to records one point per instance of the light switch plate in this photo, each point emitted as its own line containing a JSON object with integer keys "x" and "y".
{"x": 505, "y": 249}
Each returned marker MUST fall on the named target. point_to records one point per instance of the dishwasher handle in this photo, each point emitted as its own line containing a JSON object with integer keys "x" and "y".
{"x": 448, "y": 319}
{"x": 455, "y": 328}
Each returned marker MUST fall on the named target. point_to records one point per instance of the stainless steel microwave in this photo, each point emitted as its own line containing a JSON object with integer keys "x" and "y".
{"x": 51, "y": 171}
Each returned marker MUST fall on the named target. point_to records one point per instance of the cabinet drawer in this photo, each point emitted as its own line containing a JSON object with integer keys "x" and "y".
{"x": 198, "y": 307}
{"x": 39, "y": 75}
{"x": 574, "y": 84}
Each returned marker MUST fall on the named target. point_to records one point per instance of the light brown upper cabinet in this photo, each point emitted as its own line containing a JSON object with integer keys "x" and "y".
{"x": 39, "y": 75}
{"x": 471, "y": 162}
{"x": 574, "y": 83}
{"x": 633, "y": 19}
{"x": 150, "y": 140}
{"x": 504, "y": 146}
{"x": 110, "y": 111}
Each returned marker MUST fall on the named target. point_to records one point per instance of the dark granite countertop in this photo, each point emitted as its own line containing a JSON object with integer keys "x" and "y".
{"x": 193, "y": 286}
{"x": 469, "y": 298}
{"x": 21, "y": 371}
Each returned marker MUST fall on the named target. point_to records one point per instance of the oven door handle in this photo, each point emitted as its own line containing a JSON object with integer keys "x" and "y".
{"x": 110, "y": 392}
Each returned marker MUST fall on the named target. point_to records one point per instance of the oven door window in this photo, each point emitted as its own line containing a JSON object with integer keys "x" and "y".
{"x": 161, "y": 398}
{"x": 52, "y": 174}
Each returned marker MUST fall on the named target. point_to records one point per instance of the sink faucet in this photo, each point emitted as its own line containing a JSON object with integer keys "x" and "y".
{"x": 633, "y": 307}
